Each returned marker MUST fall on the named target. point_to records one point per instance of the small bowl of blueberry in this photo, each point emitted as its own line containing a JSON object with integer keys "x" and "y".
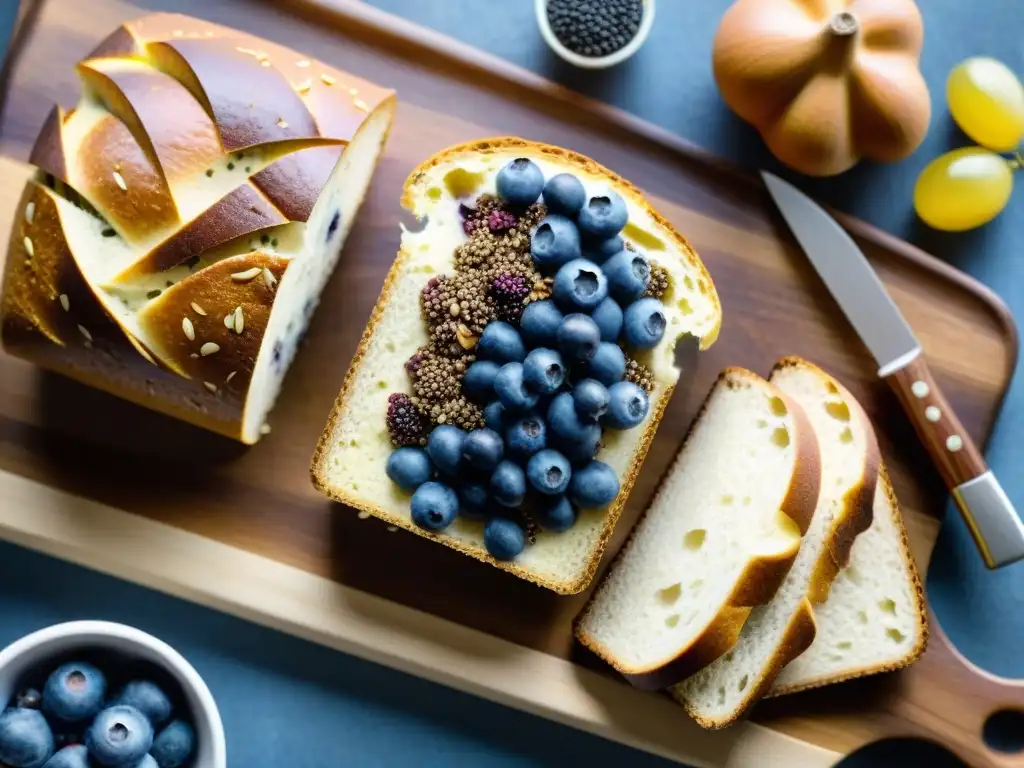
{"x": 595, "y": 34}
{"x": 93, "y": 694}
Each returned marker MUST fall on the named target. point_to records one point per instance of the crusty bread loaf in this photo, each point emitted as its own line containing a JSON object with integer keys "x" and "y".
{"x": 185, "y": 217}
{"x": 875, "y": 618}
{"x": 350, "y": 459}
{"x": 718, "y": 539}
{"x": 778, "y": 632}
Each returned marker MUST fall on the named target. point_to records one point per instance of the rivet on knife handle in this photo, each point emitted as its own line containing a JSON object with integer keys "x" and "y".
{"x": 988, "y": 512}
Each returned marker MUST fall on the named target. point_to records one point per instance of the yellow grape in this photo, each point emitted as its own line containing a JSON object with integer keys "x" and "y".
{"x": 963, "y": 189}
{"x": 987, "y": 101}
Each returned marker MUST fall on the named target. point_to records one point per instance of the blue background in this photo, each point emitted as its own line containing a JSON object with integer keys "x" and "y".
{"x": 286, "y": 702}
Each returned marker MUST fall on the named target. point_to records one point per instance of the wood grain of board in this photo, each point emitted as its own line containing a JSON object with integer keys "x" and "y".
{"x": 77, "y": 441}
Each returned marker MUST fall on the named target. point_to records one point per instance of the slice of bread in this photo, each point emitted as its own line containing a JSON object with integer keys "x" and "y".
{"x": 718, "y": 539}
{"x": 349, "y": 461}
{"x": 875, "y": 619}
{"x": 778, "y": 632}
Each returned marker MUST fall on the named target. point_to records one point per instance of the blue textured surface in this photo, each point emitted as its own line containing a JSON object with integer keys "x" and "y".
{"x": 286, "y": 702}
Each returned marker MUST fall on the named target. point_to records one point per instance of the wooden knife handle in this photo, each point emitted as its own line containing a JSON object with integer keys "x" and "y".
{"x": 988, "y": 512}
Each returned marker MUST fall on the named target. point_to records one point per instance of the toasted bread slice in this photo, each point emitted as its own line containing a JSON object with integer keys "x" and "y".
{"x": 875, "y": 618}
{"x": 718, "y": 539}
{"x": 778, "y": 632}
{"x": 350, "y": 459}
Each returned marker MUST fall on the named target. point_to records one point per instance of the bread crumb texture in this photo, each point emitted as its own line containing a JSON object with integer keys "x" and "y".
{"x": 350, "y": 462}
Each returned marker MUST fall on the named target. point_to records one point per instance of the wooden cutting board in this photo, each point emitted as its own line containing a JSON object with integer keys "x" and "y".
{"x": 98, "y": 481}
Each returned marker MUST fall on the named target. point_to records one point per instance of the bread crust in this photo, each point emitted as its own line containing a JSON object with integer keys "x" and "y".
{"x": 921, "y": 610}
{"x": 613, "y": 512}
{"x": 33, "y": 324}
{"x": 724, "y": 630}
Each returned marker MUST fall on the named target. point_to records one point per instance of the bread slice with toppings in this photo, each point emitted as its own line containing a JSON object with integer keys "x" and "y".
{"x": 349, "y": 464}
{"x": 776, "y": 633}
{"x": 185, "y": 216}
{"x": 719, "y": 538}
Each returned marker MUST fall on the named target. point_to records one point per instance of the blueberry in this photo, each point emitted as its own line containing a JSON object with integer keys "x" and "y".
{"x": 408, "y": 468}
{"x": 520, "y": 182}
{"x": 556, "y": 514}
{"x": 593, "y": 486}
{"x": 526, "y": 436}
{"x": 539, "y": 323}
{"x": 511, "y": 388}
{"x": 483, "y": 449}
{"x": 608, "y": 316}
{"x": 644, "y": 323}
{"x": 564, "y": 194}
{"x": 627, "y": 407}
{"x": 554, "y": 242}
{"x": 504, "y": 538}
{"x": 75, "y": 756}
{"x": 574, "y": 437}
{"x": 608, "y": 365}
{"x": 74, "y": 692}
{"x": 591, "y": 399}
{"x": 147, "y": 761}
{"x": 628, "y": 275}
{"x": 444, "y": 447}
{"x": 149, "y": 698}
{"x": 508, "y": 484}
{"x": 578, "y": 337}
{"x": 434, "y": 506}
{"x": 495, "y": 416}
{"x": 30, "y": 698}
{"x": 549, "y": 472}
{"x": 580, "y": 285}
{"x": 174, "y": 745}
{"x": 473, "y": 501}
{"x": 600, "y": 251}
{"x": 543, "y": 371}
{"x": 501, "y": 342}
{"x": 603, "y": 216}
{"x": 119, "y": 736}
{"x": 478, "y": 381}
{"x": 26, "y": 740}
{"x": 333, "y": 226}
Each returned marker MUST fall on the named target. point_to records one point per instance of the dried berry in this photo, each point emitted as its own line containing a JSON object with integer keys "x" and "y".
{"x": 413, "y": 363}
{"x": 509, "y": 292}
{"x": 406, "y": 425}
{"x": 437, "y": 379}
{"x": 459, "y": 412}
{"x": 501, "y": 221}
{"x": 595, "y": 29}
{"x": 659, "y": 282}
{"x": 639, "y": 374}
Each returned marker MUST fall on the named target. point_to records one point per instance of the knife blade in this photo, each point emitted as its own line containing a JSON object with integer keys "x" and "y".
{"x": 994, "y": 524}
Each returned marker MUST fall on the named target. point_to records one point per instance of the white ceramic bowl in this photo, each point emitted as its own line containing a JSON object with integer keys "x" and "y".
{"x": 595, "y": 62}
{"x": 58, "y": 641}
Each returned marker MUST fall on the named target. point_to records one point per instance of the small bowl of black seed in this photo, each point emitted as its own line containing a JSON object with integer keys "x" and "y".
{"x": 595, "y": 34}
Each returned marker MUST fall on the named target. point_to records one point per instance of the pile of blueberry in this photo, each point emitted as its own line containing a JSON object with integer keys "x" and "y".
{"x": 73, "y": 723}
{"x": 551, "y": 384}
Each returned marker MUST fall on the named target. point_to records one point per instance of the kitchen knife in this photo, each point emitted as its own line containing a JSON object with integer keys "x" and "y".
{"x": 988, "y": 512}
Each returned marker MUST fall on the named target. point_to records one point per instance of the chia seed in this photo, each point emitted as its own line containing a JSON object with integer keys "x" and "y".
{"x": 595, "y": 27}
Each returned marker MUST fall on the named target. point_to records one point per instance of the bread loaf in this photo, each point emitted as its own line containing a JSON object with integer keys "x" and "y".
{"x": 185, "y": 217}
{"x": 780, "y": 631}
{"x": 349, "y": 464}
{"x": 719, "y": 538}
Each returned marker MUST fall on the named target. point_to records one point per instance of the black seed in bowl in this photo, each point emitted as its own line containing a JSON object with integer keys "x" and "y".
{"x": 595, "y": 28}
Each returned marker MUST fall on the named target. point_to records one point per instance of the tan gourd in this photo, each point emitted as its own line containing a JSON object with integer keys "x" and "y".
{"x": 826, "y": 82}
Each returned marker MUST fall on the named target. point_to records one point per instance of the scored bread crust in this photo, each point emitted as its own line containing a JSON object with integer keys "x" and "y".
{"x": 410, "y": 192}
{"x": 37, "y": 283}
{"x": 921, "y": 611}
{"x": 853, "y": 515}
{"x": 760, "y": 578}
